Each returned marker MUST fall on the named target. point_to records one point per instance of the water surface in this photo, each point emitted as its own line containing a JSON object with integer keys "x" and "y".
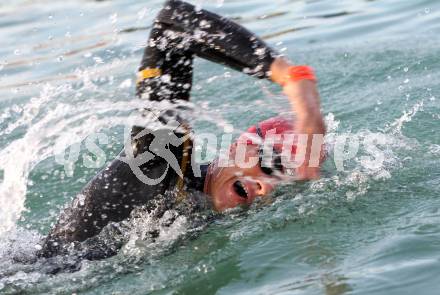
{"x": 67, "y": 71}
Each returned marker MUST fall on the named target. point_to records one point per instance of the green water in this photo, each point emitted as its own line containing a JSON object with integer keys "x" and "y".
{"x": 67, "y": 70}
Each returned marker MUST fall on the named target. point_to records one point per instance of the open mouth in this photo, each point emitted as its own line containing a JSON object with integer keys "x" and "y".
{"x": 240, "y": 189}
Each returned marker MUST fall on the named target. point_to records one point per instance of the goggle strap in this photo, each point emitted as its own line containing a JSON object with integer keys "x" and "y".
{"x": 258, "y": 129}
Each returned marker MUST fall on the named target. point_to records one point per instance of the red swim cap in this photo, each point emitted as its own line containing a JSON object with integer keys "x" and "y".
{"x": 273, "y": 126}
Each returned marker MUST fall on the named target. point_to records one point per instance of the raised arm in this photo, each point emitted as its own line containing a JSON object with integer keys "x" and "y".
{"x": 304, "y": 98}
{"x": 181, "y": 31}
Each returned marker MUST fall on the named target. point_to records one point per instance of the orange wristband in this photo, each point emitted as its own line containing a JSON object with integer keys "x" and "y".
{"x": 297, "y": 73}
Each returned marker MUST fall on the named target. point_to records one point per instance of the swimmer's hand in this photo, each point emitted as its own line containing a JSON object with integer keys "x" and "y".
{"x": 304, "y": 98}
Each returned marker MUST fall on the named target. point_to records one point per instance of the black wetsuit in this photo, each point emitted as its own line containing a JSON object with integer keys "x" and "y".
{"x": 180, "y": 32}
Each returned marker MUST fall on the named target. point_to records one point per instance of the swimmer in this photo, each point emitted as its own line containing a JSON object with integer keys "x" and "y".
{"x": 180, "y": 33}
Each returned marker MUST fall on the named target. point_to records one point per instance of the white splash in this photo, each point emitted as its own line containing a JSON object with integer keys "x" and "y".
{"x": 49, "y": 123}
{"x": 46, "y": 128}
{"x": 396, "y": 126}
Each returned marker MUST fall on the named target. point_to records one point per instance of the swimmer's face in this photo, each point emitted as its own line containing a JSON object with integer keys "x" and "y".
{"x": 233, "y": 186}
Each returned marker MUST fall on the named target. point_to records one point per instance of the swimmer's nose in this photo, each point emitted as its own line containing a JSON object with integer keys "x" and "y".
{"x": 262, "y": 188}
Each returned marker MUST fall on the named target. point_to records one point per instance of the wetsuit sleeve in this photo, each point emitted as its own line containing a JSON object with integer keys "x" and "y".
{"x": 181, "y": 32}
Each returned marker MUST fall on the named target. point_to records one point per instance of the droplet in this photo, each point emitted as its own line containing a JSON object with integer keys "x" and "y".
{"x": 125, "y": 84}
{"x": 17, "y": 52}
{"x": 406, "y": 81}
{"x": 165, "y": 78}
{"x": 205, "y": 24}
{"x": 98, "y": 60}
{"x": 260, "y": 51}
{"x": 50, "y": 16}
{"x": 141, "y": 14}
{"x": 427, "y": 10}
{"x": 60, "y": 58}
{"x": 113, "y": 18}
{"x": 405, "y": 69}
